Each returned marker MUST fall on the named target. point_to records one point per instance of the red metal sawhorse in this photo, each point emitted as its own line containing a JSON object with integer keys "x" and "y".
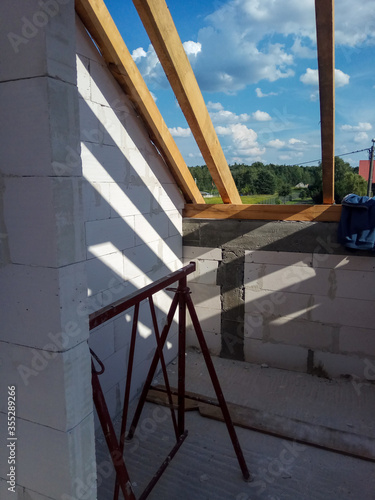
{"x": 183, "y": 301}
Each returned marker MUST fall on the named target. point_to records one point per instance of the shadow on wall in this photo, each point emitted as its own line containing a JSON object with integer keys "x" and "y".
{"x": 132, "y": 219}
{"x": 290, "y": 296}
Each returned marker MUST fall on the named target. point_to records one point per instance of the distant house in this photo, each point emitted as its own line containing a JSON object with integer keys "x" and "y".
{"x": 206, "y": 195}
{"x": 364, "y": 167}
{"x": 302, "y": 185}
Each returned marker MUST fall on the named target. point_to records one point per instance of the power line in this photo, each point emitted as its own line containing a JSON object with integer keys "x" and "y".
{"x": 343, "y": 154}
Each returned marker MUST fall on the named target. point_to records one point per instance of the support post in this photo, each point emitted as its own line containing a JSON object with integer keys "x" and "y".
{"x": 324, "y": 12}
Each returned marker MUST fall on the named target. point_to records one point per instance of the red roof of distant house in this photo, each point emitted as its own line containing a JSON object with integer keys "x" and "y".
{"x": 364, "y": 167}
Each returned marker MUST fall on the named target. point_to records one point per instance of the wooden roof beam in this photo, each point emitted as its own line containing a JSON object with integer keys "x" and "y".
{"x": 99, "y": 23}
{"x": 163, "y": 34}
{"x": 324, "y": 13}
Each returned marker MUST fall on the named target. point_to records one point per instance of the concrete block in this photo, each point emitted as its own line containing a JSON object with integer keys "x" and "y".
{"x": 84, "y": 88}
{"x": 175, "y": 224}
{"x": 104, "y": 88}
{"x": 273, "y": 304}
{"x": 115, "y": 369}
{"x": 344, "y": 262}
{"x": 40, "y": 303}
{"x": 84, "y": 44}
{"x": 106, "y": 236}
{"x": 353, "y": 284}
{"x": 105, "y": 273}
{"x": 102, "y": 340}
{"x": 253, "y": 326}
{"x": 167, "y": 198}
{"x": 275, "y": 355}
{"x": 206, "y": 296}
{"x": 20, "y": 493}
{"x": 91, "y": 129}
{"x": 157, "y": 166}
{"x": 39, "y": 375}
{"x": 343, "y": 312}
{"x": 209, "y": 319}
{"x": 150, "y": 227}
{"x": 110, "y": 121}
{"x": 122, "y": 329}
{"x": 359, "y": 341}
{"x": 102, "y": 163}
{"x": 213, "y": 341}
{"x": 95, "y": 200}
{"x": 337, "y": 365}
{"x": 299, "y": 332}
{"x": 44, "y": 220}
{"x": 125, "y": 199}
{"x": 76, "y": 471}
{"x": 206, "y": 273}
{"x": 39, "y": 40}
{"x": 300, "y": 279}
{"x": 278, "y": 258}
{"x": 202, "y": 253}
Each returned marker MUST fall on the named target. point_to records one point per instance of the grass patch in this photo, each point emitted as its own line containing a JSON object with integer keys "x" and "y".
{"x": 246, "y": 200}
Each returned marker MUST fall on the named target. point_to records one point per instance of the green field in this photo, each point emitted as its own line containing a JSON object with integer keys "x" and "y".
{"x": 261, "y": 198}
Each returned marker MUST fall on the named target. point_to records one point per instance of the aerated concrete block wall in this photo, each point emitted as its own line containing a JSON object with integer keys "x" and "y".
{"x": 283, "y": 294}
{"x": 47, "y": 451}
{"x": 133, "y": 223}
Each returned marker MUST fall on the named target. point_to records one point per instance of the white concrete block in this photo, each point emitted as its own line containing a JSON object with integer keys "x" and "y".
{"x": 102, "y": 163}
{"x": 213, "y": 341}
{"x": 202, "y": 253}
{"x": 358, "y": 341}
{"x": 206, "y": 296}
{"x": 299, "y": 332}
{"x": 110, "y": 121}
{"x": 91, "y": 129}
{"x": 278, "y": 258}
{"x": 104, "y": 88}
{"x": 84, "y": 44}
{"x": 115, "y": 369}
{"x": 175, "y": 224}
{"x": 275, "y": 355}
{"x": 342, "y": 311}
{"x": 253, "y": 326}
{"x": 125, "y": 199}
{"x": 102, "y": 340}
{"x": 139, "y": 172}
{"x": 105, "y": 273}
{"x": 44, "y": 220}
{"x": 353, "y": 284}
{"x": 167, "y": 198}
{"x": 297, "y": 279}
{"x": 42, "y": 302}
{"x": 150, "y": 227}
{"x": 209, "y": 319}
{"x": 40, "y": 375}
{"x": 40, "y": 444}
{"x": 337, "y": 365}
{"x": 267, "y": 303}
{"x": 38, "y": 41}
{"x": 206, "y": 272}
{"x": 344, "y": 262}
{"x": 83, "y": 79}
{"x": 95, "y": 200}
{"x": 107, "y": 236}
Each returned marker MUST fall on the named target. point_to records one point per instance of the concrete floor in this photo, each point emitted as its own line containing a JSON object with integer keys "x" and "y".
{"x": 205, "y": 467}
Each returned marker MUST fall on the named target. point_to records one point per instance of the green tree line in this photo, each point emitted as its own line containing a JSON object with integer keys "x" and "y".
{"x": 260, "y": 178}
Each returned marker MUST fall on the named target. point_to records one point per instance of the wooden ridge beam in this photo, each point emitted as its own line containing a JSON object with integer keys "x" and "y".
{"x": 101, "y": 27}
{"x": 159, "y": 25}
{"x": 326, "y": 213}
{"x": 324, "y": 13}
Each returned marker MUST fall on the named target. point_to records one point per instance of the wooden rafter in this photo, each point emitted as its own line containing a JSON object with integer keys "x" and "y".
{"x": 265, "y": 212}
{"x": 100, "y": 25}
{"x": 159, "y": 25}
{"x": 324, "y": 12}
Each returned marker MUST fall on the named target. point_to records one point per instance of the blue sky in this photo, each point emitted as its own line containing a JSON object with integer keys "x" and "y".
{"x": 256, "y": 64}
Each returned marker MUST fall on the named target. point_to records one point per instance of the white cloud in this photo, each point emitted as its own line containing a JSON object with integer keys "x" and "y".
{"x": 362, "y": 126}
{"x": 180, "y": 132}
{"x": 285, "y": 157}
{"x": 214, "y": 106}
{"x": 293, "y": 141}
{"x": 311, "y": 77}
{"x": 361, "y": 137}
{"x": 225, "y": 117}
{"x": 138, "y": 54}
{"x": 303, "y": 51}
{"x": 259, "y": 93}
{"x": 276, "y": 143}
{"x": 243, "y": 140}
{"x": 261, "y": 116}
{"x": 192, "y": 48}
